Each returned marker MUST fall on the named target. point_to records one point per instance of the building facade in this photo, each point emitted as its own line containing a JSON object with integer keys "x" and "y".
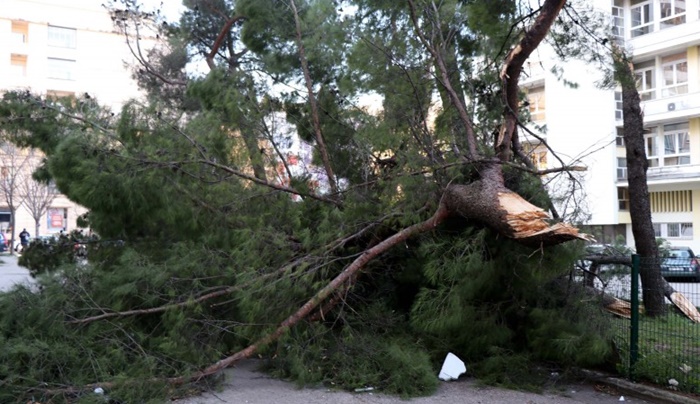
{"x": 584, "y": 124}
{"x": 59, "y": 48}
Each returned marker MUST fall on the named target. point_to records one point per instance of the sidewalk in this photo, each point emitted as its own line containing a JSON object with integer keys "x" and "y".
{"x": 11, "y": 273}
{"x": 244, "y": 384}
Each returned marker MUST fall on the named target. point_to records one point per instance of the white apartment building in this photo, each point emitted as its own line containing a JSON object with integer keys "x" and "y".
{"x": 60, "y": 48}
{"x": 584, "y": 124}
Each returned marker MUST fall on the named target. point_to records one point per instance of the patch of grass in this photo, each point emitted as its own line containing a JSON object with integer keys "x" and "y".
{"x": 669, "y": 348}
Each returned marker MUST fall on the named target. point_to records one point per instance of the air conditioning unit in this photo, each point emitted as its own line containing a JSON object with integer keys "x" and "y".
{"x": 671, "y": 106}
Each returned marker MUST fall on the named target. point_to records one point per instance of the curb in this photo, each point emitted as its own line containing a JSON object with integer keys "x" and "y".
{"x": 643, "y": 391}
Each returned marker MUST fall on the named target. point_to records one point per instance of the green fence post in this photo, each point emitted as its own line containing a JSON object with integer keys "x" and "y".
{"x": 634, "y": 317}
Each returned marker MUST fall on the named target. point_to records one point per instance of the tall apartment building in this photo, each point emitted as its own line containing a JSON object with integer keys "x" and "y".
{"x": 60, "y": 48}
{"x": 584, "y": 124}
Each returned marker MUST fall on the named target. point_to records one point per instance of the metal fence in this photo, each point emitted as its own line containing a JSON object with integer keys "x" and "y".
{"x": 665, "y": 349}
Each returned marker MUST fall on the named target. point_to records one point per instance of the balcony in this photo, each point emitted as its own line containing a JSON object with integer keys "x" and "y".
{"x": 673, "y": 174}
{"x": 671, "y": 108}
{"x": 675, "y": 38}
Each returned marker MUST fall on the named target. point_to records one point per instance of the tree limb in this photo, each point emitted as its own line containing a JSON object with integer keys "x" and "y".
{"x": 220, "y": 39}
{"x": 510, "y": 73}
{"x": 351, "y": 270}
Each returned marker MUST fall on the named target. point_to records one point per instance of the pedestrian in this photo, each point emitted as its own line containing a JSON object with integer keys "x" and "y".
{"x": 24, "y": 238}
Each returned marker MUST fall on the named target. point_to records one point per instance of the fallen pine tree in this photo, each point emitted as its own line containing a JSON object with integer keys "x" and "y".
{"x": 407, "y": 240}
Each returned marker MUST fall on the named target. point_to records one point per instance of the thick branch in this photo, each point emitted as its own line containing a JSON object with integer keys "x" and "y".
{"x": 488, "y": 201}
{"x": 220, "y": 39}
{"x": 510, "y": 73}
{"x": 328, "y": 248}
{"x": 350, "y": 271}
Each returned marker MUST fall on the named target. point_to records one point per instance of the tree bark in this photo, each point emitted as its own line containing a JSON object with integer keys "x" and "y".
{"x": 640, "y": 210}
{"x": 489, "y": 202}
{"x": 510, "y": 74}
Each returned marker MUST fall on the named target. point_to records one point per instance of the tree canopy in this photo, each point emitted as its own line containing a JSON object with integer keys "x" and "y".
{"x": 262, "y": 207}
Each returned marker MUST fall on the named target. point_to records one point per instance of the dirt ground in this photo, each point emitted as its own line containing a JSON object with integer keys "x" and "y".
{"x": 244, "y": 384}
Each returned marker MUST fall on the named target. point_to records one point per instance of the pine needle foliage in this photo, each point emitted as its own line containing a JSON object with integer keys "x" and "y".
{"x": 486, "y": 297}
{"x": 208, "y": 238}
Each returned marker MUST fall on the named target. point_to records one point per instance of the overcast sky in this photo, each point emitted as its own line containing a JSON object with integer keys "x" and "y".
{"x": 171, "y": 8}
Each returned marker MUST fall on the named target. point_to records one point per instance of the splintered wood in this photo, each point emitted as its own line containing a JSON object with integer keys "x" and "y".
{"x": 686, "y": 306}
{"x": 528, "y": 221}
{"x": 620, "y": 307}
{"x": 623, "y": 308}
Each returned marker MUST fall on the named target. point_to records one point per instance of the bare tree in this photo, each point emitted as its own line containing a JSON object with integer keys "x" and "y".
{"x": 36, "y": 196}
{"x": 12, "y": 174}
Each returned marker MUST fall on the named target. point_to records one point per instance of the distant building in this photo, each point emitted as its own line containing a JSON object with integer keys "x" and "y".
{"x": 584, "y": 124}
{"x": 60, "y": 48}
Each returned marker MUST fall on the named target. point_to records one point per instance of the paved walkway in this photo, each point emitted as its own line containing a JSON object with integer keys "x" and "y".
{"x": 11, "y": 273}
{"x": 244, "y": 384}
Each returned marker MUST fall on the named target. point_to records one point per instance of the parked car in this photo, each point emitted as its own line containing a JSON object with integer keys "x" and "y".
{"x": 3, "y": 243}
{"x": 44, "y": 239}
{"x": 680, "y": 262}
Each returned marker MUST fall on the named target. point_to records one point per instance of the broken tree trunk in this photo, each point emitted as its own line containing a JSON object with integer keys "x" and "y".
{"x": 488, "y": 201}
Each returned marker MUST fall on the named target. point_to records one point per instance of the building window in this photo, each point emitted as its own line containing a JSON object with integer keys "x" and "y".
{"x": 650, "y": 147}
{"x": 53, "y": 189}
{"x": 623, "y": 199}
{"x": 62, "y": 37}
{"x": 674, "y": 230}
{"x": 644, "y": 75}
{"x": 676, "y": 144}
{"x": 642, "y": 15}
{"x": 618, "y": 19}
{"x": 537, "y": 153}
{"x": 686, "y": 229}
{"x": 620, "y": 137}
{"x": 18, "y": 65}
{"x": 668, "y": 145}
{"x": 536, "y": 103}
{"x": 539, "y": 158}
{"x": 675, "y": 72}
{"x": 20, "y": 32}
{"x": 606, "y": 233}
{"x": 672, "y": 13}
{"x": 621, "y": 168}
{"x": 618, "y": 105}
{"x": 60, "y": 68}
